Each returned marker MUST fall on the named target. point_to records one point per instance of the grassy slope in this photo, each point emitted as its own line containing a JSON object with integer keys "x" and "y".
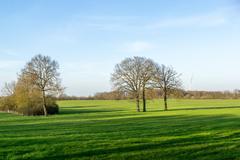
{"x": 192, "y": 129}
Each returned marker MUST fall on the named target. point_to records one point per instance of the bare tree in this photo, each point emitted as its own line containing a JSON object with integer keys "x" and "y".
{"x": 127, "y": 77}
{"x": 43, "y": 73}
{"x": 8, "y": 89}
{"x": 167, "y": 79}
{"x": 147, "y": 72}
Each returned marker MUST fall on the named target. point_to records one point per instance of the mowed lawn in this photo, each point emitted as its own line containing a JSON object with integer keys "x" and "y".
{"x": 191, "y": 129}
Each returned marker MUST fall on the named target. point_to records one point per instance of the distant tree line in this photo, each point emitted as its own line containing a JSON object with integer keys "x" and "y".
{"x": 152, "y": 94}
{"x": 113, "y": 95}
{"x": 34, "y": 91}
{"x": 211, "y": 94}
{"x": 67, "y": 97}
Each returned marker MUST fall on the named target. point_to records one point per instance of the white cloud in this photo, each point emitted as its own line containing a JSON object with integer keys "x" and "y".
{"x": 139, "y": 46}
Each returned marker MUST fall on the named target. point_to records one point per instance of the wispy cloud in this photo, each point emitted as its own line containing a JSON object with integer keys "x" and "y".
{"x": 109, "y": 23}
{"x": 208, "y": 20}
{"x": 76, "y": 27}
{"x": 213, "y": 18}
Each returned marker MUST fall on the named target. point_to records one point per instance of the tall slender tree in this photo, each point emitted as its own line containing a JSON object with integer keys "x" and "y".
{"x": 147, "y": 74}
{"x": 167, "y": 79}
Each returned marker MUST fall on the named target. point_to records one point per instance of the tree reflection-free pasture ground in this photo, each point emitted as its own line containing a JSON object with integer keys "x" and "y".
{"x": 191, "y": 129}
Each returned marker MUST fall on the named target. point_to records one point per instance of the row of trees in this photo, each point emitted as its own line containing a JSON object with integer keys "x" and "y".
{"x": 135, "y": 75}
{"x": 157, "y": 93}
{"x": 138, "y": 77}
{"x": 35, "y": 88}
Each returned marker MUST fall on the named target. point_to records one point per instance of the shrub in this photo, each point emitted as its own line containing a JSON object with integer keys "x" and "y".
{"x": 32, "y": 104}
{"x": 28, "y": 100}
{"x": 8, "y": 104}
{"x": 37, "y": 109}
{"x": 52, "y": 106}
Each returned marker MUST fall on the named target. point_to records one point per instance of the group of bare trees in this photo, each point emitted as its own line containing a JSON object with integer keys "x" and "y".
{"x": 39, "y": 81}
{"x": 135, "y": 75}
{"x": 32, "y": 94}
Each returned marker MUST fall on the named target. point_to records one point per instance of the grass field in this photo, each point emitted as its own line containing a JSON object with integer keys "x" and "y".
{"x": 191, "y": 129}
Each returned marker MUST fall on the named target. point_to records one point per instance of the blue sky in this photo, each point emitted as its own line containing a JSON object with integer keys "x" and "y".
{"x": 200, "y": 39}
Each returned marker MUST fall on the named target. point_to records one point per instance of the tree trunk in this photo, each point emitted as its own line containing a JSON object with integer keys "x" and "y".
{"x": 138, "y": 102}
{"x": 44, "y": 103}
{"x": 165, "y": 99}
{"x": 144, "y": 100}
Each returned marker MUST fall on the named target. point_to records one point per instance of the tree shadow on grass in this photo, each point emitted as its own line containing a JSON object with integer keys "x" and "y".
{"x": 80, "y": 107}
{"x": 185, "y": 138}
{"x": 205, "y": 108}
{"x": 153, "y": 148}
{"x": 184, "y": 131}
{"x": 84, "y": 109}
{"x": 138, "y": 134}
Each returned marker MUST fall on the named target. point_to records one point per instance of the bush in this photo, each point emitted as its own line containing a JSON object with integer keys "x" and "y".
{"x": 29, "y": 101}
{"x": 8, "y": 104}
{"x": 29, "y": 110}
{"x": 52, "y": 107}
{"x": 37, "y": 110}
{"x": 33, "y": 106}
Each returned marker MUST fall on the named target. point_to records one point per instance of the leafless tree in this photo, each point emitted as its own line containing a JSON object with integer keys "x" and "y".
{"x": 147, "y": 73}
{"x": 167, "y": 79}
{"x": 127, "y": 77}
{"x": 43, "y": 73}
{"x": 8, "y": 89}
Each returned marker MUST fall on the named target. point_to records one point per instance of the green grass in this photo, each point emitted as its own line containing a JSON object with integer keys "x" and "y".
{"x": 191, "y": 129}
